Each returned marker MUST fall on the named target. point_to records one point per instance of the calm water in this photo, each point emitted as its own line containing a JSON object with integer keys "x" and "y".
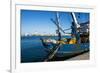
{"x": 32, "y": 49}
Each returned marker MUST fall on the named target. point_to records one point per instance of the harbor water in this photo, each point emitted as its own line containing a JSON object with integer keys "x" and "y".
{"x": 32, "y": 49}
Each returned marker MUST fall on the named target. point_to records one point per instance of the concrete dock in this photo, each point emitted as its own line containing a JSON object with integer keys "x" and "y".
{"x": 84, "y": 56}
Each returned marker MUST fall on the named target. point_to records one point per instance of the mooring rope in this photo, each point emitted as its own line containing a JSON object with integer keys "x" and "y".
{"x": 54, "y": 52}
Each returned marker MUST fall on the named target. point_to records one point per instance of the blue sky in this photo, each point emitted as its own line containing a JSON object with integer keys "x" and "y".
{"x": 33, "y": 21}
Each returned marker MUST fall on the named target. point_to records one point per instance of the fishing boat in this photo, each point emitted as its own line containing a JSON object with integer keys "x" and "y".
{"x": 78, "y": 42}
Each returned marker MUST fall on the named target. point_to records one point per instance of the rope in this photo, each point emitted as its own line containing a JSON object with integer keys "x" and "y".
{"x": 53, "y": 53}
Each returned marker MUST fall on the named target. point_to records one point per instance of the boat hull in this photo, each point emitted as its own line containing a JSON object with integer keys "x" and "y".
{"x": 74, "y": 50}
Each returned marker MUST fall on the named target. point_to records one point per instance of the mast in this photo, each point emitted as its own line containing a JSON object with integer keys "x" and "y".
{"x": 75, "y": 27}
{"x": 75, "y": 19}
{"x": 58, "y": 26}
